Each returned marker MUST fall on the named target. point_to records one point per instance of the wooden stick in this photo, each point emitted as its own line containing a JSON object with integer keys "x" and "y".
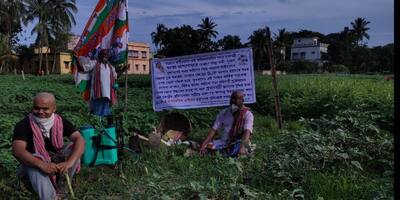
{"x": 164, "y": 142}
{"x": 147, "y": 139}
{"x": 126, "y": 90}
{"x": 69, "y": 185}
{"x": 142, "y": 137}
{"x": 274, "y": 83}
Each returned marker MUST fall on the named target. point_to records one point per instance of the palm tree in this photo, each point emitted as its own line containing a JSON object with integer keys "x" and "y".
{"x": 360, "y": 29}
{"x": 207, "y": 28}
{"x": 11, "y": 14}
{"x": 281, "y": 42}
{"x": 39, "y": 10}
{"x": 159, "y": 35}
{"x": 51, "y": 17}
{"x": 230, "y": 42}
{"x": 61, "y": 23}
{"x": 259, "y": 42}
{"x": 63, "y": 13}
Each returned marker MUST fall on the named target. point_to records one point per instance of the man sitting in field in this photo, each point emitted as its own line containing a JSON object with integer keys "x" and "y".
{"x": 237, "y": 123}
{"x": 38, "y": 144}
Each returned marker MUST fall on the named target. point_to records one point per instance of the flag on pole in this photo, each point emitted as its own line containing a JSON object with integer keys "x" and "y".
{"x": 107, "y": 28}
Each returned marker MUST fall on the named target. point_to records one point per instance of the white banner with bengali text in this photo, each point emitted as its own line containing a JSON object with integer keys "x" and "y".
{"x": 202, "y": 80}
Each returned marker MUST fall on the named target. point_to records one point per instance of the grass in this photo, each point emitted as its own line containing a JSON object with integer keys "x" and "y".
{"x": 167, "y": 174}
{"x": 341, "y": 186}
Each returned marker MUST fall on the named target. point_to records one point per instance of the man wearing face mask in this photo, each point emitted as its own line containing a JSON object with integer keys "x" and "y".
{"x": 237, "y": 123}
{"x": 38, "y": 144}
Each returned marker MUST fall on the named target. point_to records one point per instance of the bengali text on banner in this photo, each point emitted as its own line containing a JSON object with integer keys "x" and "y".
{"x": 202, "y": 80}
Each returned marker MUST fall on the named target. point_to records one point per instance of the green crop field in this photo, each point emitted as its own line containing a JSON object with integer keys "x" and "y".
{"x": 336, "y": 143}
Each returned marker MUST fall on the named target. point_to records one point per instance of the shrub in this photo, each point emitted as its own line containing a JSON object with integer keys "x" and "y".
{"x": 301, "y": 67}
{"x": 338, "y": 69}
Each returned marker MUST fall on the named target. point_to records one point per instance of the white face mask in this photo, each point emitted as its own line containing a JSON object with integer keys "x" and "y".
{"x": 45, "y": 123}
{"x": 234, "y": 108}
{"x": 44, "y": 120}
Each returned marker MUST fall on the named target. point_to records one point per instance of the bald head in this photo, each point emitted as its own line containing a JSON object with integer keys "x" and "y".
{"x": 45, "y": 96}
{"x": 44, "y": 105}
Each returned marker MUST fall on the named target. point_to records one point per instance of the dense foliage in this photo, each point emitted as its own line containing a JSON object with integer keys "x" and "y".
{"x": 336, "y": 143}
{"x": 347, "y": 47}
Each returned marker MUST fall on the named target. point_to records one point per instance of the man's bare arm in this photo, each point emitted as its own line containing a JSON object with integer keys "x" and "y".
{"x": 77, "y": 151}
{"x": 245, "y": 141}
{"x": 26, "y": 158}
{"x": 210, "y": 136}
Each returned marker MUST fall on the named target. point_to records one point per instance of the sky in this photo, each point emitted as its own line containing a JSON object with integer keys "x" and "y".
{"x": 242, "y": 17}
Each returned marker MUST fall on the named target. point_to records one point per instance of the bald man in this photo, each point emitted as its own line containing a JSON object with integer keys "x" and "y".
{"x": 237, "y": 124}
{"x": 38, "y": 144}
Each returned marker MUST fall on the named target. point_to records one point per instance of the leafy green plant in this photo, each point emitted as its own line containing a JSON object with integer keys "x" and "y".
{"x": 336, "y": 129}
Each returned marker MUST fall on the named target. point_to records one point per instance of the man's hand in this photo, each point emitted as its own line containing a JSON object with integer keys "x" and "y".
{"x": 243, "y": 150}
{"x": 203, "y": 149}
{"x": 26, "y": 158}
{"x": 245, "y": 143}
{"x": 209, "y": 137}
{"x": 48, "y": 168}
{"x": 64, "y": 166}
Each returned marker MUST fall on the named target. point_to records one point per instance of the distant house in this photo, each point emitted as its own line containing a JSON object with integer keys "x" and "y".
{"x": 61, "y": 62}
{"x": 138, "y": 58}
{"x": 308, "y": 49}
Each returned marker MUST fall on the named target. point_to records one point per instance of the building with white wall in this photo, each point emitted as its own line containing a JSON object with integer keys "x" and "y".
{"x": 308, "y": 49}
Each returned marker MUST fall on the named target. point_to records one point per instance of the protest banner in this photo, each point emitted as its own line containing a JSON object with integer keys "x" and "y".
{"x": 202, "y": 80}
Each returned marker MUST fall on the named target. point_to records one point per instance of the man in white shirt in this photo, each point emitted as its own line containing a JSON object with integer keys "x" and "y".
{"x": 102, "y": 85}
{"x": 237, "y": 123}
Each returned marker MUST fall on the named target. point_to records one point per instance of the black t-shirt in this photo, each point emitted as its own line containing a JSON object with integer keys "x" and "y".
{"x": 23, "y": 131}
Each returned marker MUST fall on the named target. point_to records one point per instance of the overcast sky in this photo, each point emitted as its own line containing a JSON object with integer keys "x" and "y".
{"x": 242, "y": 17}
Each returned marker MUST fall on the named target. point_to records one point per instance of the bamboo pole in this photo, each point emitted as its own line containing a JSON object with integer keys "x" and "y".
{"x": 121, "y": 136}
{"x": 126, "y": 90}
{"x": 274, "y": 82}
{"x": 147, "y": 139}
{"x": 71, "y": 191}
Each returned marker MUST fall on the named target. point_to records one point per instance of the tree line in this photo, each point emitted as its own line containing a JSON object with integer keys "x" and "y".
{"x": 52, "y": 21}
{"x": 347, "y": 49}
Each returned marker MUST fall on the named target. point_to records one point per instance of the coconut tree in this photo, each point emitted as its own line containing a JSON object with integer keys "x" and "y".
{"x": 39, "y": 12}
{"x": 11, "y": 13}
{"x": 230, "y": 42}
{"x": 360, "y": 29}
{"x": 63, "y": 13}
{"x": 25, "y": 54}
{"x": 207, "y": 28}
{"x": 282, "y": 41}
{"x": 60, "y": 24}
{"x": 159, "y": 35}
{"x": 259, "y": 41}
{"x": 206, "y": 33}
